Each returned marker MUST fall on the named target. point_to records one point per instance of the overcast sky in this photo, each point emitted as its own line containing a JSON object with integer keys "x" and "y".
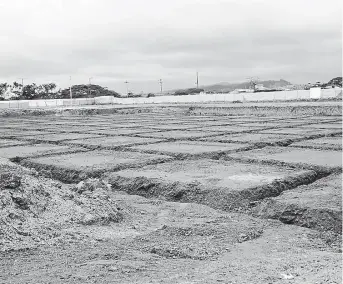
{"x": 142, "y": 41}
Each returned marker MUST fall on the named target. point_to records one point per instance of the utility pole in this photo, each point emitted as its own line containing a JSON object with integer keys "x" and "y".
{"x": 22, "y": 86}
{"x": 161, "y": 85}
{"x": 70, "y": 93}
{"x": 127, "y": 87}
{"x": 197, "y": 82}
{"x": 89, "y": 86}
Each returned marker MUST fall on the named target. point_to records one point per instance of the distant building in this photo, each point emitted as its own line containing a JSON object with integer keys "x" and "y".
{"x": 260, "y": 87}
{"x": 243, "y": 91}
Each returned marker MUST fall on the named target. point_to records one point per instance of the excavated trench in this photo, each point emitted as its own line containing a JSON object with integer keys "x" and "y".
{"x": 321, "y": 219}
{"x": 253, "y": 200}
{"x": 220, "y": 198}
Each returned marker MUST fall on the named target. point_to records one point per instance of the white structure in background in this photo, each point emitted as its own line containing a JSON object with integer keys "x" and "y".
{"x": 315, "y": 93}
{"x": 238, "y": 91}
{"x": 260, "y": 87}
{"x": 227, "y": 98}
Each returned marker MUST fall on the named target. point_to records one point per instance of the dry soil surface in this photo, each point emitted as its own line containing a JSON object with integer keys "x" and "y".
{"x": 249, "y": 206}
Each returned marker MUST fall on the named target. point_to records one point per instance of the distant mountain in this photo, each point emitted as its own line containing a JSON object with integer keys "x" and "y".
{"x": 226, "y": 87}
{"x": 335, "y": 82}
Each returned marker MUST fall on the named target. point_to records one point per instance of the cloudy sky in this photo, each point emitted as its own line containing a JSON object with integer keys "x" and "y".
{"x": 142, "y": 41}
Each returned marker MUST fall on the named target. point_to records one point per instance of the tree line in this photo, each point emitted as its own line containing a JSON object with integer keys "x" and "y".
{"x": 17, "y": 91}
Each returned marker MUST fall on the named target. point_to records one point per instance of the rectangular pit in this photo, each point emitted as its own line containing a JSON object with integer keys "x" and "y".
{"x": 60, "y": 137}
{"x": 309, "y": 158}
{"x": 122, "y": 131}
{"x": 325, "y": 143}
{"x": 22, "y": 127}
{"x": 255, "y": 138}
{"x": 79, "y": 129}
{"x": 230, "y": 128}
{"x": 336, "y": 126}
{"x": 184, "y": 149}
{"x": 24, "y": 151}
{"x": 111, "y": 142}
{"x": 316, "y": 206}
{"x": 11, "y": 142}
{"x": 306, "y": 131}
{"x": 247, "y": 119}
{"x": 325, "y": 118}
{"x": 174, "y": 127}
{"x": 127, "y": 125}
{"x": 179, "y": 134}
{"x": 206, "y": 123}
{"x": 270, "y": 124}
{"x": 78, "y": 166}
{"x": 21, "y": 133}
{"x": 220, "y": 184}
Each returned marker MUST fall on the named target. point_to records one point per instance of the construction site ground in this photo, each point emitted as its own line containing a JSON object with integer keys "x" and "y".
{"x": 172, "y": 194}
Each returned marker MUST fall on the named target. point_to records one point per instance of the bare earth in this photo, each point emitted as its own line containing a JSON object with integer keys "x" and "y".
{"x": 172, "y": 194}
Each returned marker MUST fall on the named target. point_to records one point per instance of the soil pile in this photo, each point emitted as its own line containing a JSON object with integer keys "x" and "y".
{"x": 36, "y": 210}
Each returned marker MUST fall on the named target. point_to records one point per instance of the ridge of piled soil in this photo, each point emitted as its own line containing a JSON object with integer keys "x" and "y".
{"x": 36, "y": 210}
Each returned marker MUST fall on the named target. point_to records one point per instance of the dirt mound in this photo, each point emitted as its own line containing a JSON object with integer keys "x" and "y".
{"x": 35, "y": 210}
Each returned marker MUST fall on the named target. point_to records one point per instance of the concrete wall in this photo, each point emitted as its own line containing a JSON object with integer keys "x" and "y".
{"x": 201, "y": 98}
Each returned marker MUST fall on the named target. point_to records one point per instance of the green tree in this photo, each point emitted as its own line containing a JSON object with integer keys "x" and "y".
{"x": 3, "y": 88}
{"x": 16, "y": 85}
{"x": 29, "y": 92}
{"x": 17, "y": 90}
{"x": 46, "y": 91}
{"x": 48, "y": 88}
